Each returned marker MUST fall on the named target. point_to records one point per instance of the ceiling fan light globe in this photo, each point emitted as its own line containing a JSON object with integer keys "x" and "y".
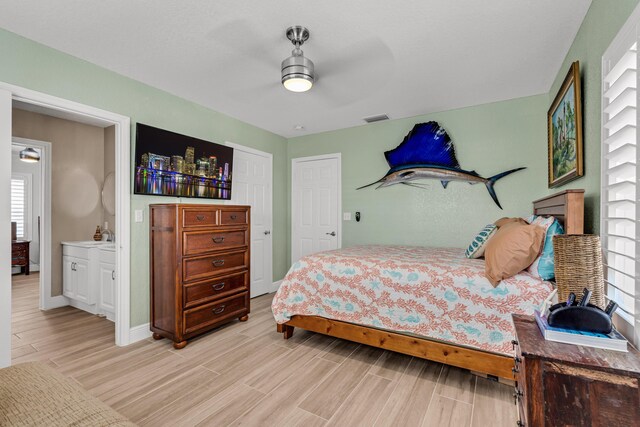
{"x": 297, "y": 84}
{"x": 297, "y": 73}
{"x": 29, "y": 155}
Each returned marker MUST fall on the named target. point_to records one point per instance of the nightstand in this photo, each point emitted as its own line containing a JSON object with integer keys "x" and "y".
{"x": 20, "y": 255}
{"x": 567, "y": 385}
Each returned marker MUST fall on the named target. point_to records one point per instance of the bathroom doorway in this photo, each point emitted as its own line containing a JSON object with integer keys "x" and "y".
{"x": 31, "y": 212}
{"x": 31, "y": 102}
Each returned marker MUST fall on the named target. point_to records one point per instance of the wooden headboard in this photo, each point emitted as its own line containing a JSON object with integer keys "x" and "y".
{"x": 567, "y": 206}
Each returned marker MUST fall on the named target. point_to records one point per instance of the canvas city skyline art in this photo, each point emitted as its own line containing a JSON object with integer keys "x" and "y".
{"x": 565, "y": 131}
{"x": 171, "y": 164}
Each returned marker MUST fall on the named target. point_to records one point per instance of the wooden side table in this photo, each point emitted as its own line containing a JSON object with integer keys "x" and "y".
{"x": 568, "y": 385}
{"x": 20, "y": 255}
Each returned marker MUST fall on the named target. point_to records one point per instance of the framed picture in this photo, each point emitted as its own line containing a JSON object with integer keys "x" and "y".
{"x": 170, "y": 164}
{"x": 564, "y": 124}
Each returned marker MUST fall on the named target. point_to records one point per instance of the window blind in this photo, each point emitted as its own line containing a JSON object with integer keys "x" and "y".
{"x": 19, "y": 205}
{"x": 619, "y": 229}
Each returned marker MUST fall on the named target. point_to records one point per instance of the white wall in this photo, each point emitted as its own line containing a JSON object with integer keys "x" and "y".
{"x": 34, "y": 169}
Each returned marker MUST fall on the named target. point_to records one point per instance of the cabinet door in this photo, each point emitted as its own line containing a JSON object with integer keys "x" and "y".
{"x": 68, "y": 277}
{"x": 83, "y": 287}
{"x": 107, "y": 294}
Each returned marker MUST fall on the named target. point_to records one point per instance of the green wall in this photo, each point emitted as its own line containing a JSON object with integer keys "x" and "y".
{"x": 34, "y": 66}
{"x": 600, "y": 26}
{"x": 489, "y": 138}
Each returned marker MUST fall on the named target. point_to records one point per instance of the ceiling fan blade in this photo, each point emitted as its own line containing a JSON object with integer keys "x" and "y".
{"x": 248, "y": 43}
{"x": 355, "y": 73}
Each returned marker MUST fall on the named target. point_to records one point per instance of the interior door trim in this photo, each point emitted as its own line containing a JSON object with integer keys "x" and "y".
{"x": 296, "y": 161}
{"x": 269, "y": 157}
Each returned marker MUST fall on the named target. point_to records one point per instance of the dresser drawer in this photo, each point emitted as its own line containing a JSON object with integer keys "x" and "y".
{"x": 199, "y": 242}
{"x": 213, "y": 265}
{"x": 234, "y": 217}
{"x": 203, "y": 292}
{"x": 194, "y": 217}
{"x": 210, "y": 314}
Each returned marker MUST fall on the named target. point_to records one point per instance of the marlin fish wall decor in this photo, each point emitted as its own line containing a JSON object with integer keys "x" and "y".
{"x": 427, "y": 153}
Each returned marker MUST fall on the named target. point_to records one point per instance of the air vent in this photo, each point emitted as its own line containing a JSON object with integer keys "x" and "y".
{"x": 378, "y": 118}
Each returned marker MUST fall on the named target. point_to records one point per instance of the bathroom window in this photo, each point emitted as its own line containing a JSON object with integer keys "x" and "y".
{"x": 20, "y": 204}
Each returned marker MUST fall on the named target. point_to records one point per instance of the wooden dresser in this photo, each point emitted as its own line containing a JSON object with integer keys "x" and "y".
{"x": 566, "y": 385}
{"x": 199, "y": 268}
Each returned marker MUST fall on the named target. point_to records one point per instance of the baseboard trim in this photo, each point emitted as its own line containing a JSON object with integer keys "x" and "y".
{"x": 55, "y": 302}
{"x": 275, "y": 286}
{"x": 139, "y": 333}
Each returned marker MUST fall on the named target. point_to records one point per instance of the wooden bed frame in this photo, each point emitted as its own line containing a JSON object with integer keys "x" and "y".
{"x": 567, "y": 206}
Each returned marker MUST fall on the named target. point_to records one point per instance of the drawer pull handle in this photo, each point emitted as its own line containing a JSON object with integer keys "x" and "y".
{"x": 514, "y": 343}
{"x": 218, "y": 262}
{"x": 517, "y": 360}
{"x": 218, "y": 310}
{"x": 515, "y": 370}
{"x": 233, "y": 217}
{"x": 200, "y": 217}
{"x": 217, "y": 239}
{"x": 218, "y": 286}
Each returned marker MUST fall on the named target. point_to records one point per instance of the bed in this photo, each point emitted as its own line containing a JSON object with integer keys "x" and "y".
{"x": 443, "y": 309}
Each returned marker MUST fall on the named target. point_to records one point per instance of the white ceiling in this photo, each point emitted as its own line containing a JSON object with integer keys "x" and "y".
{"x": 402, "y": 58}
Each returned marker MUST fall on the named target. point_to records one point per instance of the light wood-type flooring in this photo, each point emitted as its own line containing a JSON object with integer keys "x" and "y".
{"x": 246, "y": 374}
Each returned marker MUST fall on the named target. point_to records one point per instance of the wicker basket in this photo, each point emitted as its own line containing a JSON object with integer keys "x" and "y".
{"x": 578, "y": 265}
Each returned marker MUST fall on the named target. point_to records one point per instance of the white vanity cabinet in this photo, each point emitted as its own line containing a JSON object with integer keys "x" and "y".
{"x": 77, "y": 274}
{"x": 88, "y": 276}
{"x": 107, "y": 291}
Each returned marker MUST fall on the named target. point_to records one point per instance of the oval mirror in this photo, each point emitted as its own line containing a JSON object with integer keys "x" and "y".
{"x": 109, "y": 194}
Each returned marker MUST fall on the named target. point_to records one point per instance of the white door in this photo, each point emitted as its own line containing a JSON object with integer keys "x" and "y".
{"x": 81, "y": 279}
{"x": 68, "y": 282}
{"x": 107, "y": 293}
{"x": 252, "y": 177}
{"x": 315, "y": 205}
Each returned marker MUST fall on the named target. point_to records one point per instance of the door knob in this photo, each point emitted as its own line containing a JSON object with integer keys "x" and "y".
{"x": 333, "y": 233}
{"x": 267, "y": 232}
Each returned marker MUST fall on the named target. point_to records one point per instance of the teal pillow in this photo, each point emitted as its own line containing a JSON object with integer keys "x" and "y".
{"x": 476, "y": 248}
{"x": 543, "y": 266}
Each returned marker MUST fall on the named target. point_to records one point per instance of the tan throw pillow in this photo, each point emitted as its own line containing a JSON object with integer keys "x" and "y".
{"x": 504, "y": 221}
{"x": 512, "y": 249}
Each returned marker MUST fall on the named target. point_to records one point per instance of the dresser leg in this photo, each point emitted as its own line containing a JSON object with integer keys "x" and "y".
{"x": 157, "y": 336}
{"x": 244, "y": 318}
{"x": 279, "y": 328}
{"x": 179, "y": 345}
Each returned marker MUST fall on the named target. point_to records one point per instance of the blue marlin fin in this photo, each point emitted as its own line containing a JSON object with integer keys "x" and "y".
{"x": 426, "y": 144}
{"x": 444, "y": 184}
{"x": 492, "y": 180}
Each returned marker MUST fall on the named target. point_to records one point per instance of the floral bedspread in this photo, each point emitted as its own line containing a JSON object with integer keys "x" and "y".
{"x": 431, "y": 292}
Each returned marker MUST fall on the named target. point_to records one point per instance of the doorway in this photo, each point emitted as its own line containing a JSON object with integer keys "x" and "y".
{"x": 36, "y": 217}
{"x": 10, "y": 94}
{"x": 252, "y": 185}
{"x": 316, "y": 203}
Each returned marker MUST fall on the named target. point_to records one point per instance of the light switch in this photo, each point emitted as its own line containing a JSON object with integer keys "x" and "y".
{"x": 139, "y": 215}
{"x": 346, "y": 216}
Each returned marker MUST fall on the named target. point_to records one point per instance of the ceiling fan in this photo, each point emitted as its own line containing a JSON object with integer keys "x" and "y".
{"x": 297, "y": 71}
{"x": 346, "y": 73}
